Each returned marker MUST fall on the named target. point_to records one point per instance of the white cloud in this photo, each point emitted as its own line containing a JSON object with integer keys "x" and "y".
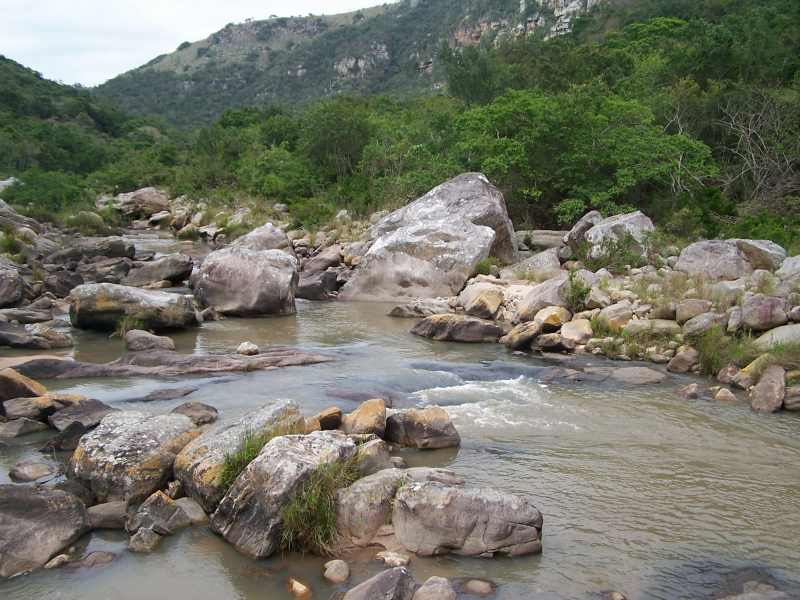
{"x": 90, "y": 41}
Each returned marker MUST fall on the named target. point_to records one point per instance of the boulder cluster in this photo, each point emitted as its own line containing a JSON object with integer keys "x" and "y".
{"x": 155, "y": 474}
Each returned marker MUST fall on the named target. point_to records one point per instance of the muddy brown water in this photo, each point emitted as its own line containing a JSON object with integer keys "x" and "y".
{"x": 642, "y": 491}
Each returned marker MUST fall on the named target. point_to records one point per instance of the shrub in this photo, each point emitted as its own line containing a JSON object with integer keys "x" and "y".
{"x": 88, "y": 223}
{"x": 603, "y": 329}
{"x": 250, "y": 446}
{"x": 615, "y": 254}
{"x": 577, "y": 292}
{"x": 484, "y": 266}
{"x": 309, "y": 519}
{"x": 9, "y": 244}
{"x": 718, "y": 350}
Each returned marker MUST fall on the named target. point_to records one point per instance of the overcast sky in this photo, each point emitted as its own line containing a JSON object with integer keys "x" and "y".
{"x": 91, "y": 41}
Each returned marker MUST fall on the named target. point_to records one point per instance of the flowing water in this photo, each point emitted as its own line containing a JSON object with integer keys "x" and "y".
{"x": 642, "y": 491}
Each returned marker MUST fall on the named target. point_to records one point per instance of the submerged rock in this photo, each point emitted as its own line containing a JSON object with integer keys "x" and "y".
{"x": 130, "y": 454}
{"x": 20, "y": 427}
{"x": 420, "y": 308}
{"x": 435, "y": 588}
{"x": 141, "y": 341}
{"x": 35, "y": 525}
{"x": 103, "y": 305}
{"x": 249, "y": 515}
{"x": 431, "y": 519}
{"x": 768, "y": 394}
{"x": 394, "y": 584}
{"x": 199, "y": 465}
{"x": 159, "y": 513}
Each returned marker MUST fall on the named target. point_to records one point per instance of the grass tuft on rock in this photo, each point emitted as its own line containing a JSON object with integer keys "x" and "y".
{"x": 718, "y": 350}
{"x": 250, "y": 445}
{"x": 126, "y": 324}
{"x": 309, "y": 519}
{"x": 484, "y": 266}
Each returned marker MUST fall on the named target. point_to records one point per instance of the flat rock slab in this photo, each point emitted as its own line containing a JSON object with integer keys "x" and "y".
{"x": 172, "y": 364}
{"x": 88, "y": 413}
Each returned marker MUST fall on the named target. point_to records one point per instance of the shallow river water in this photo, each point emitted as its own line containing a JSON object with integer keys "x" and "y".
{"x": 642, "y": 492}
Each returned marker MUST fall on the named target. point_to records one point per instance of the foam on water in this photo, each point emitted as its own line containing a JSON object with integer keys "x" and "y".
{"x": 493, "y": 405}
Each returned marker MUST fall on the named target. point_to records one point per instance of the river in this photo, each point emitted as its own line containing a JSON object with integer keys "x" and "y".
{"x": 642, "y": 491}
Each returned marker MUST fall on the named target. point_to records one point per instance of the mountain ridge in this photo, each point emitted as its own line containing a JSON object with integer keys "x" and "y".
{"x": 389, "y": 48}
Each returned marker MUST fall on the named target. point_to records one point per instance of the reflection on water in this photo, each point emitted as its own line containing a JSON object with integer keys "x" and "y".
{"x": 642, "y": 491}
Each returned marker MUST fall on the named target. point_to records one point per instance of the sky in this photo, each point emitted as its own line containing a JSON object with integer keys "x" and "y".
{"x": 91, "y": 41}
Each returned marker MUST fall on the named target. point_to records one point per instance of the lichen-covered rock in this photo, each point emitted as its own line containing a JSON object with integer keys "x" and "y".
{"x": 199, "y": 465}
{"x": 130, "y": 454}
{"x": 245, "y": 283}
{"x": 174, "y": 268}
{"x": 364, "y": 507}
{"x": 35, "y": 525}
{"x": 714, "y": 260}
{"x": 458, "y": 328}
{"x": 394, "y": 584}
{"x": 431, "y": 519}
{"x": 248, "y": 516}
{"x": 426, "y": 428}
{"x": 102, "y": 305}
{"x": 575, "y": 237}
{"x": 144, "y": 541}
{"x": 486, "y": 303}
{"x": 768, "y": 394}
{"x": 137, "y": 340}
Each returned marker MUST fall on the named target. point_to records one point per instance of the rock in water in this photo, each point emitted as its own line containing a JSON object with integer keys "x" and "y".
{"x": 394, "y": 584}
{"x": 246, "y": 283}
{"x": 142, "y": 203}
{"x": 199, "y": 413}
{"x": 266, "y": 237}
{"x": 144, "y": 541}
{"x": 427, "y": 428}
{"x": 109, "y": 515}
{"x": 768, "y": 394}
{"x": 140, "y": 341}
{"x": 249, "y": 515}
{"x": 15, "y": 385}
{"x": 174, "y": 268}
{"x": 130, "y": 454}
{"x": 369, "y": 417}
{"x": 102, "y": 305}
{"x": 35, "y": 525}
{"x": 159, "y": 513}
{"x": 337, "y": 571}
{"x": 458, "y": 328}
{"x": 436, "y": 588}
{"x": 87, "y": 414}
{"x": 432, "y": 246}
{"x": 199, "y": 465}
{"x": 431, "y": 519}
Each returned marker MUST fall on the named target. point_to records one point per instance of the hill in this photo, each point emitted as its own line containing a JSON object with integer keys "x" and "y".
{"x": 386, "y": 49}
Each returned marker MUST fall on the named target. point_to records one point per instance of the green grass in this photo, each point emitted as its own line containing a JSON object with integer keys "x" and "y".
{"x": 615, "y": 255}
{"x": 484, "y": 266}
{"x": 9, "y": 244}
{"x": 718, "y": 350}
{"x": 249, "y": 448}
{"x": 126, "y": 324}
{"x": 88, "y": 223}
{"x": 602, "y": 329}
{"x": 309, "y": 519}
{"x": 577, "y": 293}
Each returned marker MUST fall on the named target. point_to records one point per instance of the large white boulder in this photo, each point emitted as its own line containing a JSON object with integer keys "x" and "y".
{"x": 246, "y": 283}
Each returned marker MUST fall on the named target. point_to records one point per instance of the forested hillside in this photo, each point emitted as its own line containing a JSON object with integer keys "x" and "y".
{"x": 390, "y": 49}
{"x": 687, "y": 109}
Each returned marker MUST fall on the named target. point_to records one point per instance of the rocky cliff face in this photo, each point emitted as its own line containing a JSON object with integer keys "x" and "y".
{"x": 389, "y": 48}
